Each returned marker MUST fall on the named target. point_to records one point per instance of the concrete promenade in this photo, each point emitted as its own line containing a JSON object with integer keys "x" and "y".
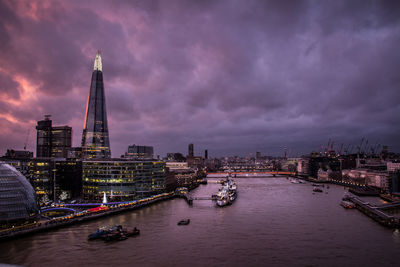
{"x": 80, "y": 217}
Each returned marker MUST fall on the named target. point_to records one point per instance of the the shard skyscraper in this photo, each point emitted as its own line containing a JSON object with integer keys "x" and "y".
{"x": 95, "y": 140}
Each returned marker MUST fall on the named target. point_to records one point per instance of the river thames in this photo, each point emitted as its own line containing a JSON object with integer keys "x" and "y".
{"x": 272, "y": 223}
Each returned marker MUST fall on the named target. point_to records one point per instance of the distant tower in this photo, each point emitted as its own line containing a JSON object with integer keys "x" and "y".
{"x": 52, "y": 141}
{"x": 191, "y": 150}
{"x": 43, "y": 141}
{"x": 95, "y": 140}
{"x": 206, "y": 154}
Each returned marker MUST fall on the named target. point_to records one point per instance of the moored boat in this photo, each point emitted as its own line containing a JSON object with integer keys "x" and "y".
{"x": 227, "y": 193}
{"x": 347, "y": 204}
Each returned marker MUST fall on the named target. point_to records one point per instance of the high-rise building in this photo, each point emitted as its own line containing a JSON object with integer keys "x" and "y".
{"x": 191, "y": 150}
{"x": 95, "y": 139}
{"x": 43, "y": 140}
{"x": 52, "y": 142}
{"x": 60, "y": 141}
{"x": 206, "y": 154}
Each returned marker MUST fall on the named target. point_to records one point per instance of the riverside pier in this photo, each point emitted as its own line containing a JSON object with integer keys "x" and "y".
{"x": 381, "y": 213}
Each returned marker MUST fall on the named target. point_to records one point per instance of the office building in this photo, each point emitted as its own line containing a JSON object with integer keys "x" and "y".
{"x": 55, "y": 179}
{"x": 43, "y": 138}
{"x": 95, "y": 139}
{"x": 60, "y": 141}
{"x": 122, "y": 179}
{"x": 52, "y": 142}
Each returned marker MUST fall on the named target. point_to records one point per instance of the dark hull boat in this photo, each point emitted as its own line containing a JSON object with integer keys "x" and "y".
{"x": 115, "y": 233}
{"x": 184, "y": 222}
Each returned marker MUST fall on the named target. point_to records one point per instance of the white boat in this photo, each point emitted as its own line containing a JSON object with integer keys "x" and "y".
{"x": 227, "y": 193}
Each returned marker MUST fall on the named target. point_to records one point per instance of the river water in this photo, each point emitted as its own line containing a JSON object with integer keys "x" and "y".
{"x": 272, "y": 223}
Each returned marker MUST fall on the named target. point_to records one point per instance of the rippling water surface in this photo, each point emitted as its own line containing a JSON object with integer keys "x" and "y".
{"x": 272, "y": 223}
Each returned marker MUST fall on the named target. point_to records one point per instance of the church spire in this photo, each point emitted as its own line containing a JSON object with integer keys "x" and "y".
{"x": 97, "y": 62}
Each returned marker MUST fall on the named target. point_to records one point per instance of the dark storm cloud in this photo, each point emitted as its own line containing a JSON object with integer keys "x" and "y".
{"x": 230, "y": 76}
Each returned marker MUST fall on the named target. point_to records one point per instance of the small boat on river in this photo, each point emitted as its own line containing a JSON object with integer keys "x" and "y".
{"x": 317, "y": 189}
{"x": 347, "y": 204}
{"x": 184, "y": 222}
{"x": 116, "y": 232}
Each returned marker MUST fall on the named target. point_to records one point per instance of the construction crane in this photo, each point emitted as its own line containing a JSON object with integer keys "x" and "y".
{"x": 340, "y": 149}
{"x": 328, "y": 146}
{"x": 359, "y": 147}
{"x": 374, "y": 148}
{"x": 351, "y": 149}
{"x": 26, "y": 139}
{"x": 366, "y": 147}
{"x": 346, "y": 150}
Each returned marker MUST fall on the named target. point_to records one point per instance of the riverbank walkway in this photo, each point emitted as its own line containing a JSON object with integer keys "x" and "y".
{"x": 82, "y": 216}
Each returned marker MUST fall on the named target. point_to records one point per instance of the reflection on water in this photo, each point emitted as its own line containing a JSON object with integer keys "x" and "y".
{"x": 272, "y": 223}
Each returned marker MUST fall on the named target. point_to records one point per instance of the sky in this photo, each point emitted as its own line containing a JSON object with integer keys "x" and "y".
{"x": 233, "y": 77}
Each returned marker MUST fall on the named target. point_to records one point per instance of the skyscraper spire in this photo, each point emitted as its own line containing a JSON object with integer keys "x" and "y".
{"x": 97, "y": 62}
{"x": 95, "y": 140}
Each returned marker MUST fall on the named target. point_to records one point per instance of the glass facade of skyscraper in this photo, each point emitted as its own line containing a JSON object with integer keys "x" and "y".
{"x": 95, "y": 139}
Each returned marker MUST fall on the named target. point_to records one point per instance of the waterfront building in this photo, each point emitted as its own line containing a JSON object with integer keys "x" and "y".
{"x": 289, "y": 164}
{"x": 317, "y": 162}
{"x": 191, "y": 150}
{"x": 324, "y": 175}
{"x": 68, "y": 179}
{"x": 373, "y": 178}
{"x": 55, "y": 179}
{"x": 40, "y": 176}
{"x": 177, "y": 165}
{"x": 139, "y": 152}
{"x": 17, "y": 197}
{"x": 303, "y": 167}
{"x": 95, "y": 139}
{"x": 185, "y": 178}
{"x": 54, "y": 142}
{"x": 123, "y": 179}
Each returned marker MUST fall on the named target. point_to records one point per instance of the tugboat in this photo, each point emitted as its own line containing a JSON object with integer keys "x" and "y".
{"x": 184, "y": 222}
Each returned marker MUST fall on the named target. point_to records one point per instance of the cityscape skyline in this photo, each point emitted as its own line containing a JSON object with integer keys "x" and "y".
{"x": 316, "y": 72}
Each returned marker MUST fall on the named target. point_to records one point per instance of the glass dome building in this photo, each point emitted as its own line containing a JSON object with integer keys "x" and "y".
{"x": 17, "y": 196}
